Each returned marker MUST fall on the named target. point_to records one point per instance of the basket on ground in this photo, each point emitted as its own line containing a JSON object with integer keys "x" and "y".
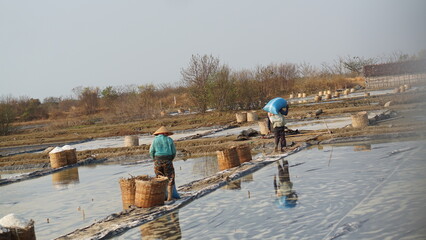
{"x": 128, "y": 189}
{"x": 131, "y": 141}
{"x": 150, "y": 191}
{"x": 58, "y": 159}
{"x": 244, "y": 153}
{"x": 263, "y": 125}
{"x": 71, "y": 156}
{"x": 228, "y": 158}
{"x": 360, "y": 120}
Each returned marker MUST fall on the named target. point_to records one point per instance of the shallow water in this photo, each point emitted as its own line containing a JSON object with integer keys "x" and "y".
{"x": 75, "y": 197}
{"x": 366, "y": 191}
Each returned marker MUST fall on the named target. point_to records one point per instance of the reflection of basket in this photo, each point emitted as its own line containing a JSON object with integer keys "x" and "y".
{"x": 58, "y": 159}
{"x": 166, "y": 227}
{"x": 360, "y": 120}
{"x": 234, "y": 185}
{"x": 27, "y": 233}
{"x": 228, "y": 158}
{"x": 244, "y": 154}
{"x": 71, "y": 156}
{"x": 150, "y": 191}
{"x": 247, "y": 178}
{"x": 65, "y": 177}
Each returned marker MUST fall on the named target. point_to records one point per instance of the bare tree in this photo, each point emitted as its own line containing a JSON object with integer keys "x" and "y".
{"x": 89, "y": 99}
{"x": 7, "y": 116}
{"x": 356, "y": 64}
{"x": 198, "y": 76}
{"x": 222, "y": 92}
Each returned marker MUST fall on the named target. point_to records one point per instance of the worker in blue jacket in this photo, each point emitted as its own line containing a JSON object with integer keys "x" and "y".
{"x": 163, "y": 151}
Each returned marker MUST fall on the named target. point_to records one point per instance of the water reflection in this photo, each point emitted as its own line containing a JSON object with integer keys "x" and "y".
{"x": 206, "y": 166}
{"x": 166, "y": 227}
{"x": 64, "y": 178}
{"x": 362, "y": 147}
{"x": 234, "y": 185}
{"x": 286, "y": 196}
{"x": 247, "y": 178}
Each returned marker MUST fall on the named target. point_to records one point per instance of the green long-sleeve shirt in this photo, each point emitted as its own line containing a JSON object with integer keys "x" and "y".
{"x": 162, "y": 146}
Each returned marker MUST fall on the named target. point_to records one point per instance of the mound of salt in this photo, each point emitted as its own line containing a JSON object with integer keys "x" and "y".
{"x": 14, "y": 221}
{"x": 67, "y": 147}
{"x": 56, "y": 150}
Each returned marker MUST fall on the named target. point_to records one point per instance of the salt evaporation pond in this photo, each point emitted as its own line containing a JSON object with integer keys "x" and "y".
{"x": 352, "y": 192}
{"x": 76, "y": 197}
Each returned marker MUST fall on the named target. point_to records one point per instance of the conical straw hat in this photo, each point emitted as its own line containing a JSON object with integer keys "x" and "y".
{"x": 162, "y": 130}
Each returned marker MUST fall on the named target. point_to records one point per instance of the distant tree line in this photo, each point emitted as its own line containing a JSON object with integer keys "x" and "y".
{"x": 206, "y": 84}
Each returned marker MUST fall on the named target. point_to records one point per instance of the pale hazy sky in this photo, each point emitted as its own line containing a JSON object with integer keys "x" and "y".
{"x": 49, "y": 47}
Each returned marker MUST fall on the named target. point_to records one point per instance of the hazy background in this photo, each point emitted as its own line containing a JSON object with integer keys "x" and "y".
{"x": 49, "y": 47}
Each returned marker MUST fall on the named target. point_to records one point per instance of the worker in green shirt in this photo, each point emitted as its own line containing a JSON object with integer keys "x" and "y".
{"x": 163, "y": 151}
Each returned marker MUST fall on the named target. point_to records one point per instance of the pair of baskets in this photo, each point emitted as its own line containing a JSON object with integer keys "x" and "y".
{"x": 143, "y": 191}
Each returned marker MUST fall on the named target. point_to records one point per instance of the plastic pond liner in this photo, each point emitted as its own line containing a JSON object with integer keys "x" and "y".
{"x": 364, "y": 191}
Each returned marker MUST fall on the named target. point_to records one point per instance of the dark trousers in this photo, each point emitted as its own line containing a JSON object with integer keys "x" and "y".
{"x": 279, "y": 135}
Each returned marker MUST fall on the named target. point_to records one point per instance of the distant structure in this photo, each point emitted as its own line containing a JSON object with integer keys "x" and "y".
{"x": 395, "y": 74}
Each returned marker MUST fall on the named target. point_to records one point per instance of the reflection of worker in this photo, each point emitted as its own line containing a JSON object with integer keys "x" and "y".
{"x": 163, "y": 151}
{"x": 287, "y": 197}
{"x": 276, "y": 124}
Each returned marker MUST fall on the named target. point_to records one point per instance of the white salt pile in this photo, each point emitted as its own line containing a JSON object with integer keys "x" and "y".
{"x": 67, "y": 147}
{"x": 60, "y": 149}
{"x": 14, "y": 221}
{"x": 56, "y": 150}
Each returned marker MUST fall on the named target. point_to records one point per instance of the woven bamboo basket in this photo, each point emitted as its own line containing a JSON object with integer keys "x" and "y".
{"x": 228, "y": 158}
{"x": 244, "y": 153}
{"x": 360, "y": 120}
{"x": 346, "y": 92}
{"x": 27, "y": 233}
{"x": 71, "y": 156}
{"x": 263, "y": 125}
{"x": 303, "y": 95}
{"x": 131, "y": 141}
{"x": 150, "y": 191}
{"x": 58, "y": 159}
{"x": 252, "y": 116}
{"x": 128, "y": 190}
{"x": 317, "y": 98}
{"x": 299, "y": 95}
{"x": 241, "y": 117}
{"x": 352, "y": 90}
{"x": 336, "y": 94}
{"x": 291, "y": 96}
